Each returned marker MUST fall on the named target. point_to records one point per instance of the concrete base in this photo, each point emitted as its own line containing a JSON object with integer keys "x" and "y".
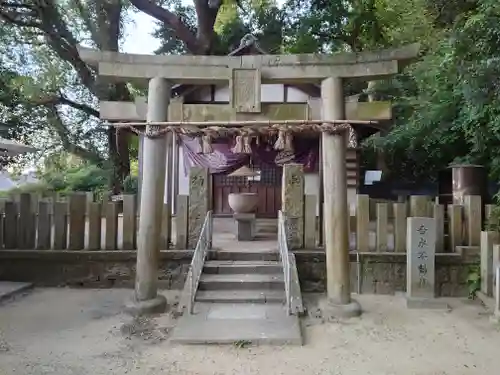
{"x": 226, "y": 323}
{"x": 488, "y": 302}
{"x": 156, "y": 305}
{"x": 245, "y": 227}
{"x": 495, "y": 318}
{"x": 426, "y": 303}
{"x": 9, "y": 290}
{"x": 332, "y": 310}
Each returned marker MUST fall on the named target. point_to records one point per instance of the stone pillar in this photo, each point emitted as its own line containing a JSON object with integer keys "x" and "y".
{"x": 199, "y": 189}
{"x": 146, "y": 299}
{"x": 421, "y": 264}
{"x": 336, "y": 214}
{"x": 292, "y": 203}
{"x": 420, "y": 257}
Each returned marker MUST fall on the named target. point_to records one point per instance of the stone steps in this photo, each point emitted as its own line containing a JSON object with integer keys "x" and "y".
{"x": 242, "y": 267}
{"x": 240, "y": 300}
{"x": 241, "y": 296}
{"x": 241, "y": 282}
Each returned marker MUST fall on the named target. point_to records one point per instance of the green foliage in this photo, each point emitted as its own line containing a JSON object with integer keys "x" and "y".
{"x": 448, "y": 102}
{"x": 40, "y": 188}
{"x": 69, "y": 177}
{"x": 446, "y": 106}
{"x": 77, "y": 178}
{"x": 261, "y": 18}
{"x": 474, "y": 280}
{"x": 494, "y": 219}
{"x": 242, "y": 344}
{"x": 54, "y": 92}
{"x": 131, "y": 185}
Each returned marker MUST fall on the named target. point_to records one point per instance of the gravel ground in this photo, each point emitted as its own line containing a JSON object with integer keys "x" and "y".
{"x": 69, "y": 332}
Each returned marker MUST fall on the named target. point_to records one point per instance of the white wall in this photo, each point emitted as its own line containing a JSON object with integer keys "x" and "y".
{"x": 183, "y": 178}
{"x": 270, "y": 93}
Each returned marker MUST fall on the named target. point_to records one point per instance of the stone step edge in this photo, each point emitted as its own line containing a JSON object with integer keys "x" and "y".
{"x": 226, "y": 263}
{"x": 240, "y": 296}
{"x": 242, "y": 268}
{"x": 240, "y": 278}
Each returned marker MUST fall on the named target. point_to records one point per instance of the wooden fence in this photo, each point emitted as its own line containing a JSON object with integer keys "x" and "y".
{"x": 456, "y": 225}
{"x": 377, "y": 225}
{"x": 76, "y": 222}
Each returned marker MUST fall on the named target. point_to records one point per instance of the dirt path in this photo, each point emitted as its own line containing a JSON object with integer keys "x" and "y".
{"x": 69, "y": 332}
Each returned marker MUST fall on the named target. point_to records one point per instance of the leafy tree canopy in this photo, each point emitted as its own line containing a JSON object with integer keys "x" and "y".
{"x": 448, "y": 103}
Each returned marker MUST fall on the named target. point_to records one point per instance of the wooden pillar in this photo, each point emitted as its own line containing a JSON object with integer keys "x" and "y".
{"x": 146, "y": 299}
{"x": 336, "y": 214}
{"x": 321, "y": 201}
{"x": 175, "y": 188}
{"x": 168, "y": 189}
{"x": 140, "y": 157}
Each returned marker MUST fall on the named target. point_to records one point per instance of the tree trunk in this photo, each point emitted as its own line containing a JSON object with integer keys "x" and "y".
{"x": 200, "y": 43}
{"x": 119, "y": 156}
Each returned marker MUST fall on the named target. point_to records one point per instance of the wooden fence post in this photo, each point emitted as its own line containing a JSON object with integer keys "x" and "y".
{"x": 129, "y": 222}
{"x": 111, "y": 237}
{"x": 77, "y": 218}
{"x": 363, "y": 223}
{"x": 382, "y": 226}
{"x": 26, "y": 227}
{"x": 11, "y": 225}
{"x": 419, "y": 206}
{"x": 473, "y": 219}
{"x": 95, "y": 225}
{"x": 44, "y": 226}
{"x": 400, "y": 210}
{"x": 439, "y": 220}
{"x": 456, "y": 226}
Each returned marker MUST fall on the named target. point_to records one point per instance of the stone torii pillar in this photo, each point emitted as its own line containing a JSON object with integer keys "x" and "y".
{"x": 146, "y": 299}
{"x": 336, "y": 213}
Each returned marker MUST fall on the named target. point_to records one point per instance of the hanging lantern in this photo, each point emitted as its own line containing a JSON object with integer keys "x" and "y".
{"x": 244, "y": 172}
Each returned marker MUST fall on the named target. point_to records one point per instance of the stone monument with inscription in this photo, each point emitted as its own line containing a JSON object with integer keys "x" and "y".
{"x": 292, "y": 203}
{"x": 198, "y": 203}
{"x": 420, "y": 264}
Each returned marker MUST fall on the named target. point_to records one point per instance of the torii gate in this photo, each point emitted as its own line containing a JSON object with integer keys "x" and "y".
{"x": 245, "y": 75}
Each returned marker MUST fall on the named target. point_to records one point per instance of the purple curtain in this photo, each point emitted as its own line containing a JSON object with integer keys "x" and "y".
{"x": 223, "y": 160}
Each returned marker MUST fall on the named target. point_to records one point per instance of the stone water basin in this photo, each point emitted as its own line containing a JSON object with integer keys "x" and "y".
{"x": 243, "y": 203}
